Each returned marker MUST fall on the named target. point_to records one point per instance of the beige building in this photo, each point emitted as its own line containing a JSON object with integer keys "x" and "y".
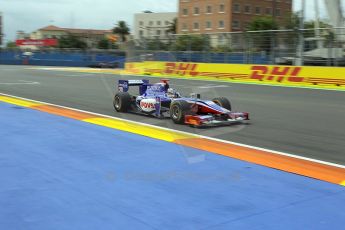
{"x": 150, "y": 24}
{"x": 90, "y": 36}
{"x": 219, "y": 16}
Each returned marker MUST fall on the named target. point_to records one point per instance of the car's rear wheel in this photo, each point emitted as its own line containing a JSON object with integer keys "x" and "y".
{"x": 223, "y": 102}
{"x": 178, "y": 110}
{"x": 122, "y": 102}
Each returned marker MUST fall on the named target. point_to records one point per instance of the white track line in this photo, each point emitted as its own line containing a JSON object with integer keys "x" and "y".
{"x": 182, "y": 132}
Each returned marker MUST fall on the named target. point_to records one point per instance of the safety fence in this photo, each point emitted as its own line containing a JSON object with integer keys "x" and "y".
{"x": 323, "y": 46}
{"x": 63, "y": 58}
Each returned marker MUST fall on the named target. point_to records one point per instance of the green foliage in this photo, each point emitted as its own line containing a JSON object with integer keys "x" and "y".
{"x": 222, "y": 49}
{"x": 263, "y": 40}
{"x": 311, "y": 25}
{"x": 71, "y": 41}
{"x": 155, "y": 44}
{"x": 293, "y": 21}
{"x": 191, "y": 43}
{"x": 11, "y": 45}
{"x": 173, "y": 27}
{"x": 121, "y": 29}
{"x": 263, "y": 23}
{"x": 106, "y": 44}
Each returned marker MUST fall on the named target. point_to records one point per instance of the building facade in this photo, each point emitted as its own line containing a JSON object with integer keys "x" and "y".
{"x": 220, "y": 16}
{"x": 150, "y": 24}
{"x": 90, "y": 36}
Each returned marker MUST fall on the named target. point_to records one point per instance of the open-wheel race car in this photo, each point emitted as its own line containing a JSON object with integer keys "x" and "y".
{"x": 162, "y": 101}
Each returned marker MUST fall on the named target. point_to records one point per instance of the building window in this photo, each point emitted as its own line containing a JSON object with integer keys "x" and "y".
{"x": 221, "y": 8}
{"x": 158, "y": 32}
{"x": 196, "y": 26}
{"x": 257, "y": 10}
{"x": 247, "y": 9}
{"x": 185, "y": 12}
{"x": 237, "y": 8}
{"x": 209, "y": 10}
{"x": 184, "y": 27}
{"x": 235, "y": 24}
{"x": 167, "y": 23}
{"x": 278, "y": 12}
{"x": 221, "y": 24}
{"x": 141, "y": 33}
{"x": 196, "y": 11}
{"x": 247, "y": 25}
{"x": 158, "y": 23}
{"x": 268, "y": 11}
{"x": 208, "y": 25}
{"x": 141, "y": 23}
{"x": 151, "y": 23}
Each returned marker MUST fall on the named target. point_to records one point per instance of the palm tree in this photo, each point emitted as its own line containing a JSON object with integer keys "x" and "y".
{"x": 173, "y": 27}
{"x": 122, "y": 29}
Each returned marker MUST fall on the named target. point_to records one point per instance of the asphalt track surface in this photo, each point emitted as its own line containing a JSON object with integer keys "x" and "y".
{"x": 304, "y": 122}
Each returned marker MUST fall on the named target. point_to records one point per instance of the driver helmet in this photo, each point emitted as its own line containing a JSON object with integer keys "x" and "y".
{"x": 171, "y": 93}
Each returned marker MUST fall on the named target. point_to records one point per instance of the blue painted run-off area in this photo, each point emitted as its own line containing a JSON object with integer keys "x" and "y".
{"x": 59, "y": 173}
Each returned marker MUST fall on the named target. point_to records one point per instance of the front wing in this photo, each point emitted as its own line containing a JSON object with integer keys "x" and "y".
{"x": 212, "y": 120}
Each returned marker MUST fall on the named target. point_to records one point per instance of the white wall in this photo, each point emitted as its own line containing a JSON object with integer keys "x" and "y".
{"x": 148, "y": 24}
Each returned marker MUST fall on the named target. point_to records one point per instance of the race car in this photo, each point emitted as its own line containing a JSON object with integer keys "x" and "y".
{"x": 162, "y": 101}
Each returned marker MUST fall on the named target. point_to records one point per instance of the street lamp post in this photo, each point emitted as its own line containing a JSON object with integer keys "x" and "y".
{"x": 300, "y": 49}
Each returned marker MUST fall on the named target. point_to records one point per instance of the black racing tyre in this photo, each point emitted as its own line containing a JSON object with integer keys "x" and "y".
{"x": 122, "y": 102}
{"x": 178, "y": 110}
{"x": 223, "y": 102}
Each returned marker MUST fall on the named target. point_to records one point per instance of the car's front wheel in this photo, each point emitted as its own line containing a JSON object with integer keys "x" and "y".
{"x": 223, "y": 102}
{"x": 178, "y": 110}
{"x": 122, "y": 102}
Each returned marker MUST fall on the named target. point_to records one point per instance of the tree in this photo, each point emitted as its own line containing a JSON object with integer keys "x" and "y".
{"x": 122, "y": 29}
{"x": 106, "y": 44}
{"x": 71, "y": 41}
{"x": 263, "y": 23}
{"x": 172, "y": 28}
{"x": 11, "y": 45}
{"x": 292, "y": 22}
{"x": 191, "y": 43}
{"x": 263, "y": 40}
{"x": 155, "y": 44}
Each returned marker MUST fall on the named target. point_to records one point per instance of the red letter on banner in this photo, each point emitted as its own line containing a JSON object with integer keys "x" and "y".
{"x": 182, "y": 69}
{"x": 279, "y": 71}
{"x": 170, "y": 68}
{"x": 259, "y": 72}
{"x": 193, "y": 69}
{"x": 294, "y": 75}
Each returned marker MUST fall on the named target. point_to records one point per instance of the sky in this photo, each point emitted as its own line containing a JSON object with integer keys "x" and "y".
{"x": 30, "y": 15}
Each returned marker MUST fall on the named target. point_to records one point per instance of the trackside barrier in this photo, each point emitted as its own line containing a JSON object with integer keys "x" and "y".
{"x": 303, "y": 76}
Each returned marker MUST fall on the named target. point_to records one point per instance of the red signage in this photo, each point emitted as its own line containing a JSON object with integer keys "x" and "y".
{"x": 181, "y": 68}
{"x": 278, "y": 73}
{"x": 37, "y": 42}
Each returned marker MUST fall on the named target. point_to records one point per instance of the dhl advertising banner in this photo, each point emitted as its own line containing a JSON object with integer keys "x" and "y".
{"x": 303, "y": 76}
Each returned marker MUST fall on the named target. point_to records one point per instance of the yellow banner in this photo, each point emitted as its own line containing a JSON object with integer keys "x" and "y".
{"x": 305, "y": 76}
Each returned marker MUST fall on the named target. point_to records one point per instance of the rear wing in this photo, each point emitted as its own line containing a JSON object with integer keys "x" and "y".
{"x": 123, "y": 85}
